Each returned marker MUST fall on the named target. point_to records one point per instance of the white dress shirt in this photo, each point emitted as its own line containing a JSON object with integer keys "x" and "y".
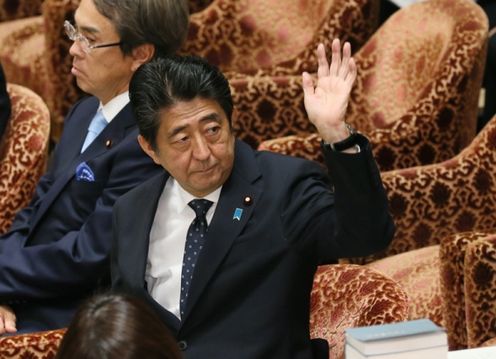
{"x": 114, "y": 106}
{"x": 167, "y": 240}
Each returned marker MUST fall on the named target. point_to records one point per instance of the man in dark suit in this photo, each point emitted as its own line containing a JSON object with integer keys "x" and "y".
{"x": 225, "y": 242}
{"x": 57, "y": 250}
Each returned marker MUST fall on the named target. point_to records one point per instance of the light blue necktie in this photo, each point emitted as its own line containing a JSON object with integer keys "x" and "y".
{"x": 96, "y": 126}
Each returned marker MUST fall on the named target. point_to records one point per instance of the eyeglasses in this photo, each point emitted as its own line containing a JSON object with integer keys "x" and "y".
{"x": 75, "y": 35}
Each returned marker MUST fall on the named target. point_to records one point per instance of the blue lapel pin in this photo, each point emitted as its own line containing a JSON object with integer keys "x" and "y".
{"x": 237, "y": 214}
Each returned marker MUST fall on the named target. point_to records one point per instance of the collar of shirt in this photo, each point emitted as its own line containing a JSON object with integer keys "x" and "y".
{"x": 114, "y": 106}
{"x": 183, "y": 197}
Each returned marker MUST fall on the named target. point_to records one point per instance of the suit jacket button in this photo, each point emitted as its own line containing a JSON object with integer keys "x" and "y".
{"x": 183, "y": 345}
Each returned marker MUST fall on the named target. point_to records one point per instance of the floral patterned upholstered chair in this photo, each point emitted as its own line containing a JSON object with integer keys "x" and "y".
{"x": 42, "y": 345}
{"x": 416, "y": 94}
{"x": 23, "y": 151}
{"x": 18, "y": 9}
{"x": 468, "y": 286}
{"x": 34, "y": 54}
{"x": 343, "y": 296}
{"x": 277, "y": 37}
{"x": 346, "y": 295}
{"x": 270, "y": 40}
{"x": 432, "y": 205}
{"x": 198, "y": 5}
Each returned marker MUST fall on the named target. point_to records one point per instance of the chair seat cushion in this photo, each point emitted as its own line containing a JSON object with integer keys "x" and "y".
{"x": 417, "y": 272}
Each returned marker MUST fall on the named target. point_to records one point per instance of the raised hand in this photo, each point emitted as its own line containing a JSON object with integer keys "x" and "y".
{"x": 7, "y": 320}
{"x": 326, "y": 98}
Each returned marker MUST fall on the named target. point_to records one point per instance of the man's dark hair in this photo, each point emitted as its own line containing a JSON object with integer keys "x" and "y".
{"x": 117, "y": 326}
{"x": 163, "y": 23}
{"x": 164, "y": 82}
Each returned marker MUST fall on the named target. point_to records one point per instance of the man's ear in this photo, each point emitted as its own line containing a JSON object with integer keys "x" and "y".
{"x": 141, "y": 54}
{"x": 145, "y": 146}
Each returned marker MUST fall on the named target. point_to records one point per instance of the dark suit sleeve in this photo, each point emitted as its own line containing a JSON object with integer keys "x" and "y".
{"x": 74, "y": 263}
{"x": 347, "y": 217}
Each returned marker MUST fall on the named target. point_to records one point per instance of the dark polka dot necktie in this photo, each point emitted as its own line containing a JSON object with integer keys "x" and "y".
{"x": 194, "y": 244}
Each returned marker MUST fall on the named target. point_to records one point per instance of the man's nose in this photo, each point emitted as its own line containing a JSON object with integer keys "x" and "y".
{"x": 201, "y": 150}
{"x": 75, "y": 49}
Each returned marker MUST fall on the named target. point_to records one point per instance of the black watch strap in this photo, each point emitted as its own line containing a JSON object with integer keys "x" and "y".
{"x": 348, "y": 142}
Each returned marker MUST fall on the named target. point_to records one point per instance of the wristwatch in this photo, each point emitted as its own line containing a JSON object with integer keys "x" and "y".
{"x": 348, "y": 142}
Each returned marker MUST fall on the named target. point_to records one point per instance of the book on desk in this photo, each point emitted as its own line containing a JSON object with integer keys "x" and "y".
{"x": 404, "y": 340}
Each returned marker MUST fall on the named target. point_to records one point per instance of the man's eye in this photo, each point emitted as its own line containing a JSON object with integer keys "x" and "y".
{"x": 182, "y": 139}
{"x": 213, "y": 130}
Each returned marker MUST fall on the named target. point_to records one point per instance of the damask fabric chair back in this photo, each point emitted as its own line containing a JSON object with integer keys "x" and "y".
{"x": 416, "y": 92}
{"x": 428, "y": 204}
{"x": 42, "y": 345}
{"x": 468, "y": 287}
{"x": 18, "y": 9}
{"x": 198, "y": 5}
{"x": 431, "y": 202}
{"x": 345, "y": 296}
{"x": 280, "y": 36}
{"x": 23, "y": 152}
{"x": 34, "y": 54}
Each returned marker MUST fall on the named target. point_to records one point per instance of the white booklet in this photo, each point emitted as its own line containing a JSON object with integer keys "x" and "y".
{"x": 402, "y": 337}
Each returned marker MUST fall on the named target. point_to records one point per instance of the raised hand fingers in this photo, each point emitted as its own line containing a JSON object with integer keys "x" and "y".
{"x": 344, "y": 68}
{"x": 352, "y": 72}
{"x": 336, "y": 57}
{"x": 342, "y": 64}
{"x": 307, "y": 83}
{"x": 323, "y": 69}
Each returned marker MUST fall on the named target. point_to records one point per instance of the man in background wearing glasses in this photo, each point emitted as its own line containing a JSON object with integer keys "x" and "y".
{"x": 57, "y": 251}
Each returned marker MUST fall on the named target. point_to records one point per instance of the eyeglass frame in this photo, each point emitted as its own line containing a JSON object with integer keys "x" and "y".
{"x": 74, "y": 35}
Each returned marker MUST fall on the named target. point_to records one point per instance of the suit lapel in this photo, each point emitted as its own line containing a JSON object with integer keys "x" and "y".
{"x": 114, "y": 132}
{"x": 224, "y": 228}
{"x": 137, "y": 233}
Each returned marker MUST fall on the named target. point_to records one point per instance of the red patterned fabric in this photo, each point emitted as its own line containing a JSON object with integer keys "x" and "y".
{"x": 417, "y": 272}
{"x": 480, "y": 291}
{"x": 432, "y": 202}
{"x": 18, "y": 9}
{"x": 23, "y": 152}
{"x": 59, "y": 62}
{"x": 416, "y": 92}
{"x": 489, "y": 343}
{"x": 345, "y": 296}
{"x": 452, "y": 279}
{"x": 42, "y": 345}
{"x": 247, "y": 35}
{"x": 198, "y": 5}
{"x": 468, "y": 284}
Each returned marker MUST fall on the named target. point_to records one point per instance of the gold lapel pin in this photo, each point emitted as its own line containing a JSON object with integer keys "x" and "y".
{"x": 108, "y": 143}
{"x": 247, "y": 201}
